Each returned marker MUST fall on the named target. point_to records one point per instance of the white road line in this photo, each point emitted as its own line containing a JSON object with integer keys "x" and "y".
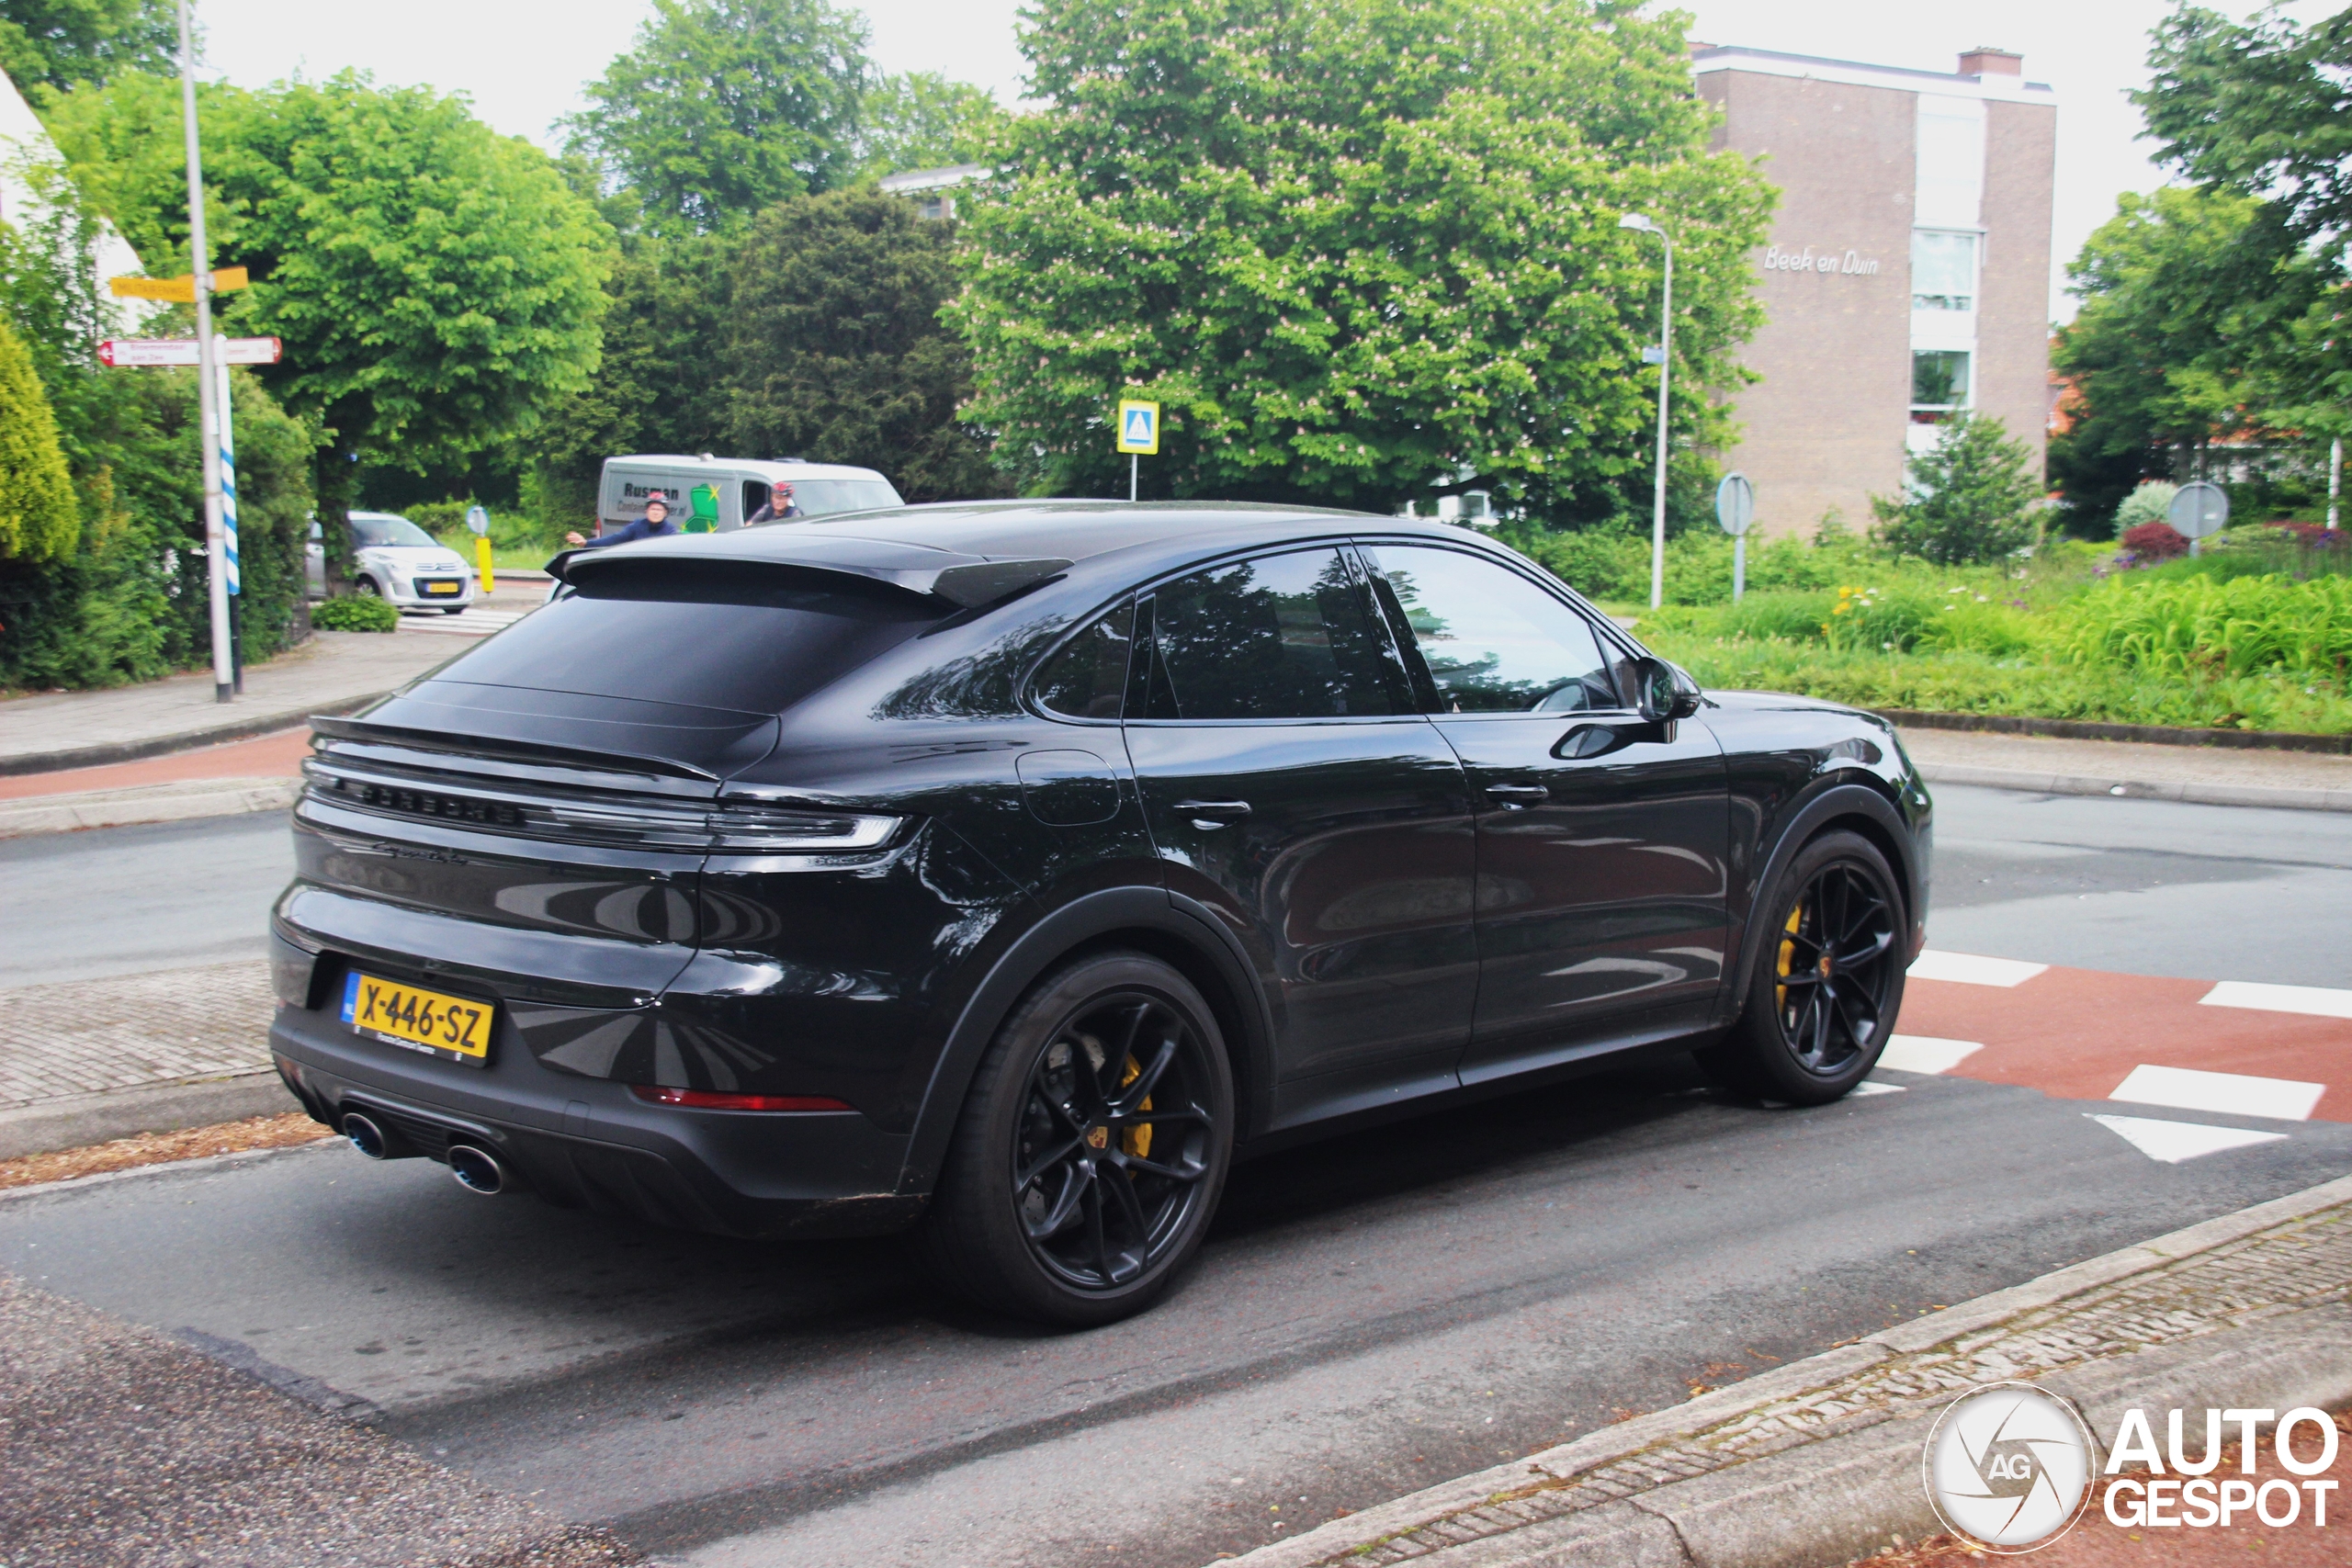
{"x": 2173, "y": 1142}
{"x": 1871, "y": 1086}
{"x": 1970, "y": 970}
{"x": 2232, "y": 1094}
{"x": 1924, "y": 1053}
{"x": 2320, "y": 1001}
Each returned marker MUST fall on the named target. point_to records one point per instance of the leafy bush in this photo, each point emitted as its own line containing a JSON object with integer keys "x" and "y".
{"x": 2154, "y": 541}
{"x": 2151, "y": 502}
{"x": 2207, "y": 625}
{"x": 357, "y": 613}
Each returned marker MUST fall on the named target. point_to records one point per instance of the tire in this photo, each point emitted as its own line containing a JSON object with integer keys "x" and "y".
{"x": 1823, "y": 997}
{"x": 1056, "y": 1100}
{"x": 366, "y": 586}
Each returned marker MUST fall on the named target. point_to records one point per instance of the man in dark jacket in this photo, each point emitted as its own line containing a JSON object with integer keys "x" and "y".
{"x": 656, "y": 525}
{"x": 777, "y": 507}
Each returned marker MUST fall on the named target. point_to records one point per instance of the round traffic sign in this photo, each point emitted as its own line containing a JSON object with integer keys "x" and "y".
{"x": 478, "y": 519}
{"x": 2199, "y": 510}
{"x": 1735, "y": 503}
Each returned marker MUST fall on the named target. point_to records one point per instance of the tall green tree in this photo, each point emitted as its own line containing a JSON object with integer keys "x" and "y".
{"x": 2176, "y": 292}
{"x": 1355, "y": 248}
{"x": 437, "y": 286}
{"x": 723, "y": 106}
{"x": 918, "y": 120}
{"x": 835, "y": 351}
{"x": 2263, "y": 109}
{"x": 37, "y": 516}
{"x": 1970, "y": 498}
{"x": 64, "y": 43}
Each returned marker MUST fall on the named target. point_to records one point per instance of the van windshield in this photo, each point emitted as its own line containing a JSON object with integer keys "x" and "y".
{"x": 819, "y": 497}
{"x": 698, "y": 635}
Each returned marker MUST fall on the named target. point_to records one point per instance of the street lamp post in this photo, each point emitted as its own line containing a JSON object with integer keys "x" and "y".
{"x": 1665, "y": 372}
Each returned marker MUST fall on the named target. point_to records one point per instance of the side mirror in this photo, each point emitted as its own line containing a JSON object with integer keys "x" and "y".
{"x": 1662, "y": 693}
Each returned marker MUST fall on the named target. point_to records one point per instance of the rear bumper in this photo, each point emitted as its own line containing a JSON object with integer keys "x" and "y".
{"x": 581, "y": 1142}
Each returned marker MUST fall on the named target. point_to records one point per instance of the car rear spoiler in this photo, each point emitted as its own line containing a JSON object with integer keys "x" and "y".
{"x": 513, "y": 751}
{"x": 968, "y": 583}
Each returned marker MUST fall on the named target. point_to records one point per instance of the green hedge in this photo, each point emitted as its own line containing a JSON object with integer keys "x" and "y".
{"x": 358, "y": 613}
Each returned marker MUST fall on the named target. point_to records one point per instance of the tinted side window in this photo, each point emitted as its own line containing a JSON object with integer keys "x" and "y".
{"x": 1493, "y": 642}
{"x": 1088, "y": 678}
{"x": 1281, "y": 636}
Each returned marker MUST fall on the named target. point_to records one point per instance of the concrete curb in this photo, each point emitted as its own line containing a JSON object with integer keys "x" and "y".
{"x": 2138, "y": 789}
{"x": 51, "y": 1124}
{"x": 181, "y": 800}
{"x": 2140, "y": 734}
{"x": 1776, "y": 1504}
{"x": 180, "y": 741}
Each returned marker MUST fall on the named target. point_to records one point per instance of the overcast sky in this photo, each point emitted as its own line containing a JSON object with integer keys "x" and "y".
{"x": 522, "y": 62}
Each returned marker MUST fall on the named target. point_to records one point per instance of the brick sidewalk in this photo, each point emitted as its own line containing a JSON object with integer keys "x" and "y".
{"x": 87, "y": 1037}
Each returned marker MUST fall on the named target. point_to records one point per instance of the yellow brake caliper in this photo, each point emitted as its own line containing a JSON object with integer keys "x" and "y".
{"x": 1136, "y": 1141}
{"x": 1788, "y": 956}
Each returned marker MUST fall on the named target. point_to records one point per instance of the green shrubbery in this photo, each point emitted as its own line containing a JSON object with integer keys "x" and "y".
{"x": 2255, "y": 634}
{"x": 357, "y": 613}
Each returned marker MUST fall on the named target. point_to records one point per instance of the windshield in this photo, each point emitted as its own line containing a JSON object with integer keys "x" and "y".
{"x": 374, "y": 533}
{"x": 698, "y": 635}
{"x": 816, "y": 497}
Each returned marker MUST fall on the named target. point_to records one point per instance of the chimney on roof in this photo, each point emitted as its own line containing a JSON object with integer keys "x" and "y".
{"x": 1983, "y": 61}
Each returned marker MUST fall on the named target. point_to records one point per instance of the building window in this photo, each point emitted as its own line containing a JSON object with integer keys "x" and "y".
{"x": 1938, "y": 384}
{"x": 1943, "y": 271}
{"x": 935, "y": 208}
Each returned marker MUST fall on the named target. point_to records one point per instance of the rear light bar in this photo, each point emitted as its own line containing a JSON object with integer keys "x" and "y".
{"x": 635, "y": 821}
{"x": 711, "y": 1100}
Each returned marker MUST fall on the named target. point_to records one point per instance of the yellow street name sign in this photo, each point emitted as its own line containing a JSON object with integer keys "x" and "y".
{"x": 180, "y": 290}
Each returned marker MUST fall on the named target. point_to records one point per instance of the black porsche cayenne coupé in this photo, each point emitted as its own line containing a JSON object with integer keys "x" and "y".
{"x": 1004, "y": 870}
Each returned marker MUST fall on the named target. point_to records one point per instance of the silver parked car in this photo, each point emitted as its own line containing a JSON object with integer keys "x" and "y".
{"x": 395, "y": 559}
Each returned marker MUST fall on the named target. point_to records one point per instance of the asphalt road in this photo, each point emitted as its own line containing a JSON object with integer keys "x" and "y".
{"x": 1372, "y": 1313}
{"x": 132, "y": 900}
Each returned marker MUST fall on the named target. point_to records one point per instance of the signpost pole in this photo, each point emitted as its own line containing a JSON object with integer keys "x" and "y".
{"x": 224, "y": 676}
{"x": 1736, "y": 509}
{"x": 233, "y": 569}
{"x": 478, "y": 519}
{"x": 2335, "y": 478}
{"x": 1135, "y": 476}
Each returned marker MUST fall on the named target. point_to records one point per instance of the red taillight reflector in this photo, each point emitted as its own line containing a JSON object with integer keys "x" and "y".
{"x": 709, "y": 1100}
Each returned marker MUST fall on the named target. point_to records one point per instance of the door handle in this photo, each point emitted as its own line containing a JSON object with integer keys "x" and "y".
{"x": 1518, "y": 798}
{"x": 1210, "y": 815}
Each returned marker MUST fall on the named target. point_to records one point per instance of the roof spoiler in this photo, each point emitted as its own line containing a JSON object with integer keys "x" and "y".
{"x": 512, "y": 750}
{"x": 970, "y": 583}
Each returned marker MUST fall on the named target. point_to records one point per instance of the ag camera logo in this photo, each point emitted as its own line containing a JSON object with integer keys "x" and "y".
{"x": 2008, "y": 1467}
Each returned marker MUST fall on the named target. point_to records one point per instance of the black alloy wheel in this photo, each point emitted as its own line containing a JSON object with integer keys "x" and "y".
{"x": 1093, "y": 1147}
{"x": 1829, "y": 980}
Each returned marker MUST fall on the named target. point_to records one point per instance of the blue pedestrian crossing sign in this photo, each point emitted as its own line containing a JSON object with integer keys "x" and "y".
{"x": 1139, "y": 428}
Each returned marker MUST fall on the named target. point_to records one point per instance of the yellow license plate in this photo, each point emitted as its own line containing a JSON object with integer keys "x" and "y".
{"x": 443, "y": 587}
{"x": 445, "y": 1026}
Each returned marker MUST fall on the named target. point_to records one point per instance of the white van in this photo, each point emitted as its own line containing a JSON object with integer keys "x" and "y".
{"x": 709, "y": 495}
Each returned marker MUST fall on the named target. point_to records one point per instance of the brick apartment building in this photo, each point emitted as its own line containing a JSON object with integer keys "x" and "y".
{"x": 1908, "y": 274}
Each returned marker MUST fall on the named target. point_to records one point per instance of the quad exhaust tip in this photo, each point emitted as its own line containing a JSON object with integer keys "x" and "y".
{"x": 366, "y": 1136}
{"x": 477, "y": 1169}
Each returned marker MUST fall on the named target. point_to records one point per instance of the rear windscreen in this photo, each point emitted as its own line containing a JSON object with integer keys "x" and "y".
{"x": 704, "y": 635}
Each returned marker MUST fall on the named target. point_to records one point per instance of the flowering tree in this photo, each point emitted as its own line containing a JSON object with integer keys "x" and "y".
{"x": 1354, "y": 248}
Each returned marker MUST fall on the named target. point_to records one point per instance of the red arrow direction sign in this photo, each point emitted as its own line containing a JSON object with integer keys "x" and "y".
{"x": 122, "y": 350}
